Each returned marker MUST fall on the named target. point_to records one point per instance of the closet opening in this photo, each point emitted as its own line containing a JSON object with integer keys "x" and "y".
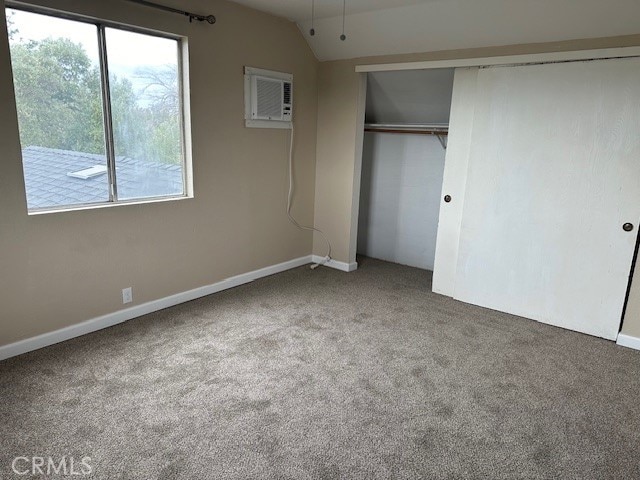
{"x": 404, "y": 146}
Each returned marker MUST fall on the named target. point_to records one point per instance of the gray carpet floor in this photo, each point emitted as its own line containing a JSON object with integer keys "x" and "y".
{"x": 326, "y": 375}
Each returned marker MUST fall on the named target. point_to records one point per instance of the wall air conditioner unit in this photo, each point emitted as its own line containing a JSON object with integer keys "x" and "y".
{"x": 268, "y": 98}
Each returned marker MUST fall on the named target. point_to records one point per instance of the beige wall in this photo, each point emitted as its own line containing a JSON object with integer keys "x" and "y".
{"x": 338, "y": 90}
{"x": 338, "y": 143}
{"x": 63, "y": 268}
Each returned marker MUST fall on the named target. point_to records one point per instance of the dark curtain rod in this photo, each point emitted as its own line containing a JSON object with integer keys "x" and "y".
{"x": 192, "y": 16}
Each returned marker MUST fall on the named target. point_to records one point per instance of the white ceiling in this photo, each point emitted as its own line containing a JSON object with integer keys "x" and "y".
{"x": 374, "y": 28}
{"x": 409, "y": 96}
{"x": 300, "y": 10}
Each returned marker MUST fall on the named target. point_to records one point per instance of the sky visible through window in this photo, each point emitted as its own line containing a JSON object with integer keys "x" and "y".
{"x": 125, "y": 57}
{"x": 38, "y": 27}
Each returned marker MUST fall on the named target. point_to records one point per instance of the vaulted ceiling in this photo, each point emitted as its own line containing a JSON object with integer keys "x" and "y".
{"x": 409, "y": 96}
{"x": 300, "y": 10}
{"x": 382, "y": 27}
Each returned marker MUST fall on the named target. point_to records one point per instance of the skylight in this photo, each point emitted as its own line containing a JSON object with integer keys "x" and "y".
{"x": 88, "y": 173}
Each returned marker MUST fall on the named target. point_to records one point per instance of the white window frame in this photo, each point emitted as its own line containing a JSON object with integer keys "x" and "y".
{"x": 183, "y": 91}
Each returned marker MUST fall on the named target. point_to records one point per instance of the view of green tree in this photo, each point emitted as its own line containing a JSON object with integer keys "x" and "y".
{"x": 53, "y": 93}
{"x": 58, "y": 93}
{"x": 152, "y": 130}
{"x": 11, "y": 28}
{"x": 161, "y": 89}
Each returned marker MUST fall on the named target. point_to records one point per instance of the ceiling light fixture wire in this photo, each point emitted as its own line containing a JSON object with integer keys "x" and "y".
{"x": 312, "y": 32}
{"x": 343, "y": 37}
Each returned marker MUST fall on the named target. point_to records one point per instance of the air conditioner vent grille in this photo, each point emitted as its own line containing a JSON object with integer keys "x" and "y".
{"x": 287, "y": 93}
{"x": 269, "y": 98}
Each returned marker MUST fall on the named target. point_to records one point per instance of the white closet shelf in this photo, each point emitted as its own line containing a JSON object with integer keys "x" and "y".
{"x": 440, "y": 130}
{"x": 415, "y": 128}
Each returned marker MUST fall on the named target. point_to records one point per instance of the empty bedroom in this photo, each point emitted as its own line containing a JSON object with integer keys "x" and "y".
{"x": 319, "y": 239}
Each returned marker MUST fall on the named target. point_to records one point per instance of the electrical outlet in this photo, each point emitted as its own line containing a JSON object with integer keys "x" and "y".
{"x": 127, "y": 295}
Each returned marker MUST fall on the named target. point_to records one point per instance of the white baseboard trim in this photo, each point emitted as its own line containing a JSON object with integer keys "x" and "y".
{"x": 628, "y": 341}
{"x": 342, "y": 266}
{"x": 98, "y": 323}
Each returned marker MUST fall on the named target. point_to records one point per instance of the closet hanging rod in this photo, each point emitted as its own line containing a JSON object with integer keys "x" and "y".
{"x": 439, "y": 130}
{"x": 417, "y": 129}
{"x": 408, "y": 131}
{"x": 408, "y": 125}
{"x": 192, "y": 16}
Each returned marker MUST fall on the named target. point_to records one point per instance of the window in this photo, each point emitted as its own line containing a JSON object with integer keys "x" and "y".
{"x": 100, "y": 111}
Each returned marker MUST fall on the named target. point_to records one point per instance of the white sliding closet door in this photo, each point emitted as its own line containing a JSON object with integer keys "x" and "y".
{"x": 554, "y": 173}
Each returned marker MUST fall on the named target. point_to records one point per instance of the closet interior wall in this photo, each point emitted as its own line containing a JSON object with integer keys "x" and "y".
{"x": 403, "y": 165}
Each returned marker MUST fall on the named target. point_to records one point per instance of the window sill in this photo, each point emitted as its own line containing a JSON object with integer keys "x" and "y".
{"x": 96, "y": 206}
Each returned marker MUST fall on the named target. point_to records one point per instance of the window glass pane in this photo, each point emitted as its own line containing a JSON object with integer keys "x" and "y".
{"x": 146, "y": 108}
{"x": 58, "y": 96}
